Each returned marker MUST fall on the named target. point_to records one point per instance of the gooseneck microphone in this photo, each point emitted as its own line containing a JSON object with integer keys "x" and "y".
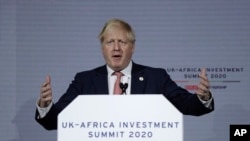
{"x": 124, "y": 87}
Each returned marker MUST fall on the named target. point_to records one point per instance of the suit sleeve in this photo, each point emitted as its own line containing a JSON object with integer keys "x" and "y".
{"x": 184, "y": 101}
{"x": 49, "y": 122}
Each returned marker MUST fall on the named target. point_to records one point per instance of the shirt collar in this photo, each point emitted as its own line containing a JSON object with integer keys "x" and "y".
{"x": 126, "y": 71}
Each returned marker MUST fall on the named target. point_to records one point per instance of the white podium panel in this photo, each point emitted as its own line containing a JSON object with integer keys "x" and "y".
{"x": 120, "y": 118}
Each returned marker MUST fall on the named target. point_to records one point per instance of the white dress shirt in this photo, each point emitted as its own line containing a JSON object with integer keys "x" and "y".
{"x": 126, "y": 78}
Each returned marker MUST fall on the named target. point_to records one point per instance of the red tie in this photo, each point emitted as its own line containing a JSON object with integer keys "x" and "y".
{"x": 117, "y": 89}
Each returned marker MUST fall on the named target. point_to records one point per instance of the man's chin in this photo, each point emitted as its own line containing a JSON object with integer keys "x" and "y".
{"x": 117, "y": 67}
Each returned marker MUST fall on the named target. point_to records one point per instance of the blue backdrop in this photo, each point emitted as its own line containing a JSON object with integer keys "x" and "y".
{"x": 40, "y": 37}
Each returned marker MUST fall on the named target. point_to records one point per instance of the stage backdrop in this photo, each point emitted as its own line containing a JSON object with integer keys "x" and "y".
{"x": 59, "y": 38}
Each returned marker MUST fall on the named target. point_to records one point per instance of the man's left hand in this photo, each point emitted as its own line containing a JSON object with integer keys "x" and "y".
{"x": 203, "y": 86}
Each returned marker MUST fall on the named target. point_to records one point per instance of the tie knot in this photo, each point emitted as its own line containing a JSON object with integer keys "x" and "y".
{"x": 118, "y": 74}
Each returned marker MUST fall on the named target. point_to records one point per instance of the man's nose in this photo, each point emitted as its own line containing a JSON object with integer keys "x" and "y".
{"x": 117, "y": 46}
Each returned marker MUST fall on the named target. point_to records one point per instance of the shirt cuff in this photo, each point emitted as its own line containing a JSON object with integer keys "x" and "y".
{"x": 43, "y": 111}
{"x": 207, "y": 103}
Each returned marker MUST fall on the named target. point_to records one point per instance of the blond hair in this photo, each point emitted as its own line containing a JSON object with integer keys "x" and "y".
{"x": 120, "y": 23}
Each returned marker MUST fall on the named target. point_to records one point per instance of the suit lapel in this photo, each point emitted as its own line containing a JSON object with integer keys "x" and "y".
{"x": 101, "y": 80}
{"x": 138, "y": 79}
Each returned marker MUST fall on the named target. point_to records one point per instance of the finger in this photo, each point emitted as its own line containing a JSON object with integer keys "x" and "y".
{"x": 199, "y": 93}
{"x": 45, "y": 98}
{"x": 45, "y": 88}
{"x": 203, "y": 93}
{"x": 44, "y": 102}
{"x": 205, "y": 83}
{"x": 202, "y": 88}
{"x": 47, "y": 93}
{"x": 204, "y": 96}
{"x": 203, "y": 78}
{"x": 203, "y": 74}
{"x": 47, "y": 81}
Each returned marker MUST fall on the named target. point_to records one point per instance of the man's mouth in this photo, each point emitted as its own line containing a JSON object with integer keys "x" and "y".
{"x": 117, "y": 56}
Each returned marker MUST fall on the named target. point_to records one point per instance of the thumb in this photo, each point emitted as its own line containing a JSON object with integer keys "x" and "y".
{"x": 48, "y": 79}
{"x": 203, "y": 72}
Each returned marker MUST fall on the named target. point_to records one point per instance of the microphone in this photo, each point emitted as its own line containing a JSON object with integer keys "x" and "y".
{"x": 124, "y": 87}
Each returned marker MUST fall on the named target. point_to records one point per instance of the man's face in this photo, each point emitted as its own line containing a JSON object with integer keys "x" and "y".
{"x": 116, "y": 48}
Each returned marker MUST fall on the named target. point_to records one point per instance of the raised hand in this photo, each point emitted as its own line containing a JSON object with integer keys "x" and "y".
{"x": 45, "y": 93}
{"x": 203, "y": 86}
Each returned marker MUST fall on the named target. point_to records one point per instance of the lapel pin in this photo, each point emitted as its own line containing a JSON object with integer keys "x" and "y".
{"x": 141, "y": 78}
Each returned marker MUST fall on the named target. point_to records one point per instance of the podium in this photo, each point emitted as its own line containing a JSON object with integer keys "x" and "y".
{"x": 120, "y": 118}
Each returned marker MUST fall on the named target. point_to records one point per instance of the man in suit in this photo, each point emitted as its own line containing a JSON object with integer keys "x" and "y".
{"x": 118, "y": 44}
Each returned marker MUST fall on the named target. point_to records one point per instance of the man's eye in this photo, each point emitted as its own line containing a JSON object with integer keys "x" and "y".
{"x": 123, "y": 42}
{"x": 109, "y": 42}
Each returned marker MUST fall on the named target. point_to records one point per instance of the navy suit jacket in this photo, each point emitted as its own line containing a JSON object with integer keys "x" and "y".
{"x": 156, "y": 81}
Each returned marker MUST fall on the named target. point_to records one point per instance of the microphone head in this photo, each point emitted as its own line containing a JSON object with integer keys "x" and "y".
{"x": 124, "y": 86}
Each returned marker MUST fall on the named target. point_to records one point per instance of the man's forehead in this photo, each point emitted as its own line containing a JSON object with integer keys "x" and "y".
{"x": 115, "y": 32}
{"x": 113, "y": 28}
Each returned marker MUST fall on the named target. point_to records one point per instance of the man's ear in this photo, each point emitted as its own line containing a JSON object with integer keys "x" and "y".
{"x": 133, "y": 49}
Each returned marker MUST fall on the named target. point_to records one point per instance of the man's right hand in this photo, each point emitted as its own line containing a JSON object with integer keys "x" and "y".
{"x": 45, "y": 93}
